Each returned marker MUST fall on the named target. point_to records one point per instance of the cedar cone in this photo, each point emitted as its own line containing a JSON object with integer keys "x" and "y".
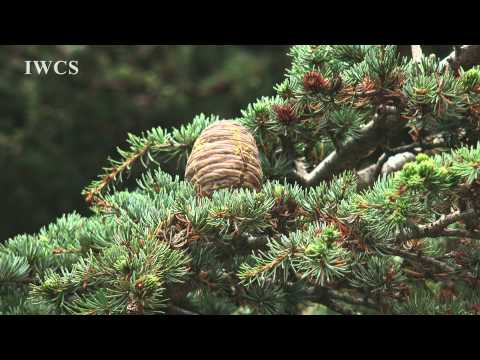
{"x": 225, "y": 155}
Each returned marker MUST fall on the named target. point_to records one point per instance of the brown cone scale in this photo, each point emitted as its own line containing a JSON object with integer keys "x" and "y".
{"x": 225, "y": 156}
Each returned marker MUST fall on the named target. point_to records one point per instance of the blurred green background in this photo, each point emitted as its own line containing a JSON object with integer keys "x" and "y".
{"x": 56, "y": 132}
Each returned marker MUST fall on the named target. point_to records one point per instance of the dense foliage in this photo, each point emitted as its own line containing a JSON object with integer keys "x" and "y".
{"x": 339, "y": 221}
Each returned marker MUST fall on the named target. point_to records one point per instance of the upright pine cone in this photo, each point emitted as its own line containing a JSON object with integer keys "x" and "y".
{"x": 225, "y": 155}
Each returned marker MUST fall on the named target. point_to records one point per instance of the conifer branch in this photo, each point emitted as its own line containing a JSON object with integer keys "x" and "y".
{"x": 420, "y": 258}
{"x": 267, "y": 265}
{"x": 371, "y": 135}
{"x": 155, "y": 141}
{"x": 370, "y": 174}
{"x": 105, "y": 180}
{"x": 436, "y": 228}
{"x": 167, "y": 249}
{"x": 431, "y": 261}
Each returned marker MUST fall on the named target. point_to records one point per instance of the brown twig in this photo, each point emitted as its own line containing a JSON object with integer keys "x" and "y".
{"x": 435, "y": 228}
{"x": 106, "y": 179}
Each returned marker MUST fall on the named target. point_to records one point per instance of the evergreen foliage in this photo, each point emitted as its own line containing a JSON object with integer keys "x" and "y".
{"x": 404, "y": 242}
